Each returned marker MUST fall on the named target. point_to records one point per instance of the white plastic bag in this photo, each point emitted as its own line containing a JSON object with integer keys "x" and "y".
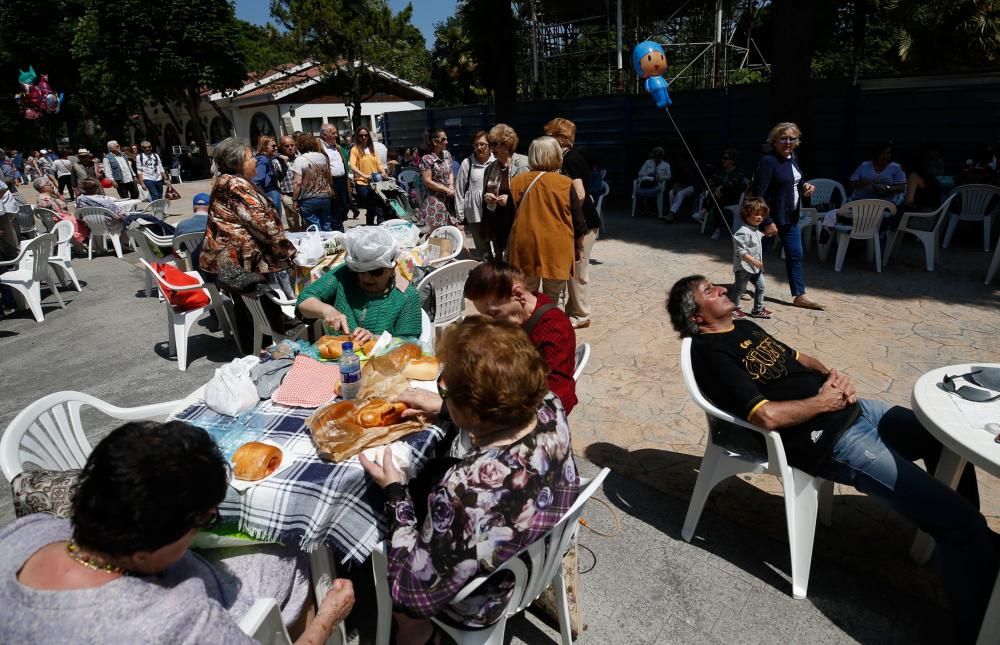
{"x": 143, "y": 192}
{"x": 407, "y": 235}
{"x": 231, "y": 392}
{"x": 310, "y": 247}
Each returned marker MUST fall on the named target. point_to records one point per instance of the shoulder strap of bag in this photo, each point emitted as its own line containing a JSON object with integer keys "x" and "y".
{"x": 536, "y": 316}
{"x": 517, "y": 207}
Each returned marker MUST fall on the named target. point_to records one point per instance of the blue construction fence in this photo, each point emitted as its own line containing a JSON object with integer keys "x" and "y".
{"x": 955, "y": 113}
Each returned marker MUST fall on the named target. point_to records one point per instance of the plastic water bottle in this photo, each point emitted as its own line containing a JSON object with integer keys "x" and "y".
{"x": 350, "y": 373}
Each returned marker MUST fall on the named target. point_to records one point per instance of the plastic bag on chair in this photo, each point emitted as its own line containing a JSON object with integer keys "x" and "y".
{"x": 310, "y": 248}
{"x": 231, "y": 391}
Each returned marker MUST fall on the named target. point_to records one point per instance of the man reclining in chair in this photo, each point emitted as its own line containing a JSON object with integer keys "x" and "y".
{"x": 828, "y": 432}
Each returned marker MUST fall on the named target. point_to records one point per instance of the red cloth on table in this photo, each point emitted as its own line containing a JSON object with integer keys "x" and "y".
{"x": 555, "y": 340}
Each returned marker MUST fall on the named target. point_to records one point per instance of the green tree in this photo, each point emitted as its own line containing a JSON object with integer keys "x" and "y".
{"x": 937, "y": 36}
{"x": 454, "y": 70}
{"x": 349, "y": 36}
{"x": 265, "y": 48}
{"x": 133, "y": 50}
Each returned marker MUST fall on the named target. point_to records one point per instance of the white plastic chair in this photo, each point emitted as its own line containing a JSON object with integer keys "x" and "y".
{"x": 263, "y": 621}
{"x": 994, "y": 265}
{"x": 412, "y": 180}
{"x": 179, "y": 321}
{"x": 33, "y": 267}
{"x": 184, "y": 247}
{"x": 582, "y": 358}
{"x": 925, "y": 227}
{"x": 734, "y": 214}
{"x": 426, "y": 331}
{"x": 143, "y": 242}
{"x": 49, "y": 434}
{"x": 810, "y": 223}
{"x": 262, "y": 327}
{"x": 975, "y": 199}
{"x": 865, "y": 223}
{"x": 46, "y": 217}
{"x": 26, "y": 222}
{"x": 605, "y": 189}
{"x": 62, "y": 256}
{"x": 544, "y": 557}
{"x": 661, "y": 188}
{"x": 95, "y": 217}
{"x": 452, "y": 233}
{"x": 447, "y": 285}
{"x": 175, "y": 175}
{"x": 157, "y": 208}
{"x": 802, "y": 490}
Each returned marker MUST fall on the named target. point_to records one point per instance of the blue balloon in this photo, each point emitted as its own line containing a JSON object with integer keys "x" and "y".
{"x": 650, "y": 63}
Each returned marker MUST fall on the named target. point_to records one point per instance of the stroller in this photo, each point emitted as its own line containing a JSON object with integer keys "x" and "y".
{"x": 395, "y": 198}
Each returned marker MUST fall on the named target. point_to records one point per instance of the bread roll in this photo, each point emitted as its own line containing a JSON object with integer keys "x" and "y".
{"x": 369, "y": 346}
{"x": 331, "y": 347}
{"x": 404, "y": 354}
{"x": 255, "y": 460}
{"x": 423, "y": 368}
{"x": 379, "y": 413}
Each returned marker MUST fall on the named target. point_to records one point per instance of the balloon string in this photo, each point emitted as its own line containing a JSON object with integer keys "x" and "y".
{"x": 708, "y": 188}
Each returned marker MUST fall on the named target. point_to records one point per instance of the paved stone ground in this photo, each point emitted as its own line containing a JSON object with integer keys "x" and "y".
{"x": 645, "y": 584}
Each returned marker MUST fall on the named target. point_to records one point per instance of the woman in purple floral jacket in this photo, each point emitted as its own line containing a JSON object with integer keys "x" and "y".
{"x": 514, "y": 485}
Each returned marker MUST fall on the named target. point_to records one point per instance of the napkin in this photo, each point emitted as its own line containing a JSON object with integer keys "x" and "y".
{"x": 309, "y": 383}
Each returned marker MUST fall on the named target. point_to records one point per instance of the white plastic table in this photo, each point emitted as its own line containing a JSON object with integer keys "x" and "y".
{"x": 938, "y": 412}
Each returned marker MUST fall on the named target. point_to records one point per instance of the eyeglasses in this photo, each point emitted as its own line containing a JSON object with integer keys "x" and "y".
{"x": 967, "y": 392}
{"x": 206, "y": 520}
{"x": 481, "y": 145}
{"x": 442, "y": 140}
{"x": 442, "y": 389}
{"x": 788, "y": 139}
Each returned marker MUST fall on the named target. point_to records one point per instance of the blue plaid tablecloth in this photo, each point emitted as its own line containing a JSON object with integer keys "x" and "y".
{"x": 313, "y": 501}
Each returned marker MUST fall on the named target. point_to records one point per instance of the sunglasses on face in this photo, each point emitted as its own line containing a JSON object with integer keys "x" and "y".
{"x": 788, "y": 139}
{"x": 968, "y": 392}
{"x": 442, "y": 389}
{"x": 206, "y": 520}
{"x": 376, "y": 273}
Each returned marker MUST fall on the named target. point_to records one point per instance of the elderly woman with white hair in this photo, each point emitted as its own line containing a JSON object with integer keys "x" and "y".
{"x": 49, "y": 200}
{"x": 364, "y": 297}
{"x": 547, "y": 237}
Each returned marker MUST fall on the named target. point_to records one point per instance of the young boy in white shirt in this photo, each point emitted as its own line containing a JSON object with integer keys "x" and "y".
{"x": 748, "y": 258}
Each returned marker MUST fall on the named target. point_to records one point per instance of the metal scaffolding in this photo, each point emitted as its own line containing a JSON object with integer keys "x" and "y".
{"x": 585, "y": 49}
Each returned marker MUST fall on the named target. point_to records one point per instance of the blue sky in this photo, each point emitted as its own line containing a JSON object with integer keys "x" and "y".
{"x": 425, "y": 13}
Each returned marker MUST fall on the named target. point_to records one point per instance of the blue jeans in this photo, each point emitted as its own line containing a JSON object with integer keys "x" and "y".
{"x": 791, "y": 241}
{"x": 740, "y": 285}
{"x": 316, "y": 211}
{"x": 875, "y": 455}
{"x": 155, "y": 188}
{"x": 275, "y": 198}
{"x": 372, "y": 205}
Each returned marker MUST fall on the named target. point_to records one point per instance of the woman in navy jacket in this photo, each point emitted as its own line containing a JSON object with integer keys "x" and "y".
{"x": 778, "y": 180}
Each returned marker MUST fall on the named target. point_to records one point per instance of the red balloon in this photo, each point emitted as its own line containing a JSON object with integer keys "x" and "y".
{"x": 106, "y": 182}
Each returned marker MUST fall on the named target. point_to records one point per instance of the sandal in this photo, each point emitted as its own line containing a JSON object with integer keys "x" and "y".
{"x": 763, "y": 313}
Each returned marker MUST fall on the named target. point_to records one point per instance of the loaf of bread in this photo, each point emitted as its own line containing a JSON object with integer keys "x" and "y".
{"x": 255, "y": 460}
{"x": 331, "y": 347}
{"x": 377, "y": 413}
{"x": 423, "y": 368}
{"x": 403, "y": 355}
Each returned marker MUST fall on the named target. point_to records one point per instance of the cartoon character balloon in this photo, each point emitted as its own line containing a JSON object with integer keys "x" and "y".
{"x": 650, "y": 62}
{"x": 39, "y": 98}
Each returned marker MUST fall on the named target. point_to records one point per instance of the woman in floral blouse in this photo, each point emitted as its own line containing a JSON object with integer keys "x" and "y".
{"x": 48, "y": 199}
{"x": 438, "y": 207}
{"x": 514, "y": 485}
{"x": 245, "y": 243}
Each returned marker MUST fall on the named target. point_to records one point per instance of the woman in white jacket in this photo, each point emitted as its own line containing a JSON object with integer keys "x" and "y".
{"x": 469, "y": 190}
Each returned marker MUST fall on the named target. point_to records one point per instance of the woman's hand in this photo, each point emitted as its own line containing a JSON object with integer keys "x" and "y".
{"x": 771, "y": 230}
{"x": 502, "y": 199}
{"x": 490, "y": 198}
{"x": 385, "y": 474}
{"x": 807, "y": 189}
{"x": 420, "y": 401}
{"x": 336, "y": 321}
{"x": 361, "y": 335}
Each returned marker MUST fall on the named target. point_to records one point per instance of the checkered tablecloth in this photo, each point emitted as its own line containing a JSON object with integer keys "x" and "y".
{"x": 312, "y": 502}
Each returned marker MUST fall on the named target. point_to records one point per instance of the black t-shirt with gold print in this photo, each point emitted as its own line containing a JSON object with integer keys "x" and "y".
{"x": 742, "y": 369}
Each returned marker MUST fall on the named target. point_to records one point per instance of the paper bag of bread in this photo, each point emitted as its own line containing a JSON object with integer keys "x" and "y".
{"x": 345, "y": 428}
{"x": 386, "y": 376}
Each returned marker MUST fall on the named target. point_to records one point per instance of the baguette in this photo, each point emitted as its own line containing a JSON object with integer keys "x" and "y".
{"x": 423, "y": 368}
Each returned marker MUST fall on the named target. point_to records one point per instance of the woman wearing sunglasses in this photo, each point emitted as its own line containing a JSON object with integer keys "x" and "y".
{"x": 119, "y": 569}
{"x": 779, "y": 180}
{"x": 513, "y": 485}
{"x": 362, "y": 297}
{"x": 365, "y": 164}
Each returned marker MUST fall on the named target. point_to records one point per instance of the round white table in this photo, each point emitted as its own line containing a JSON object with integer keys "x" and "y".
{"x": 963, "y": 442}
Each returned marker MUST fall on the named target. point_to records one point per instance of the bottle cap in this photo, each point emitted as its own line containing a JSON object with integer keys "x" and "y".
{"x": 348, "y": 346}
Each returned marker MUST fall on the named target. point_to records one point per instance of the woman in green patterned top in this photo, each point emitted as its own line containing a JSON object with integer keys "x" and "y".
{"x": 362, "y": 298}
